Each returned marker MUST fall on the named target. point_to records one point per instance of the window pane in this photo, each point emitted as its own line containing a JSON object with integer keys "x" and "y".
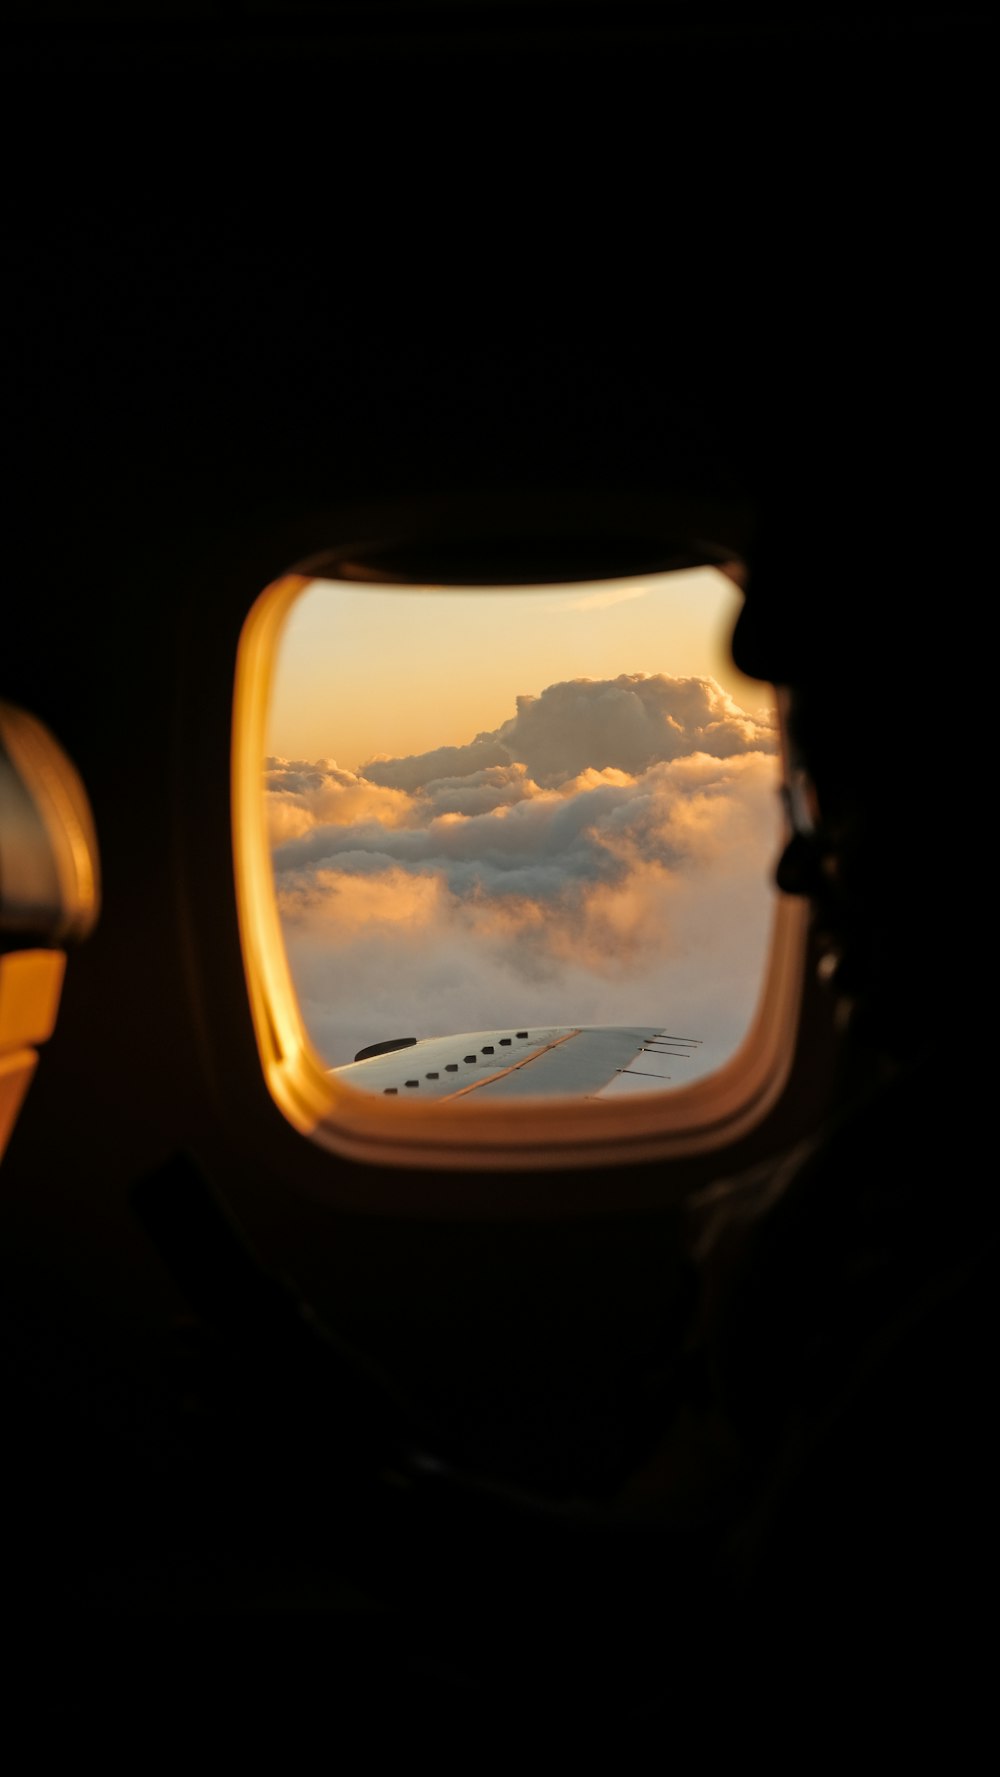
{"x": 523, "y": 811}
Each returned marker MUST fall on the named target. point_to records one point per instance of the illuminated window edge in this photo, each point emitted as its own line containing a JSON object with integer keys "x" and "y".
{"x": 708, "y": 1114}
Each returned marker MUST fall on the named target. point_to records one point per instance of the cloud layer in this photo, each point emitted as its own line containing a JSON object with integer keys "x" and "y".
{"x": 602, "y": 857}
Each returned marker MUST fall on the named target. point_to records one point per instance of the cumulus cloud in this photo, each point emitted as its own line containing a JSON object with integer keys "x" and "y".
{"x": 601, "y": 858}
{"x": 300, "y": 795}
{"x": 630, "y": 723}
{"x": 444, "y": 762}
{"x": 627, "y": 723}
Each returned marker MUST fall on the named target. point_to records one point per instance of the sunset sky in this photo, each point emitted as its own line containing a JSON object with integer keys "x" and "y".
{"x": 540, "y": 806}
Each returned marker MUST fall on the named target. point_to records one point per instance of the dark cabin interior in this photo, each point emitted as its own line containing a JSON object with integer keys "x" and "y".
{"x": 268, "y": 268}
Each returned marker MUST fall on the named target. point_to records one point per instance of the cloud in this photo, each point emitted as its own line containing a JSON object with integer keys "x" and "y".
{"x": 601, "y": 599}
{"x": 627, "y": 723}
{"x": 301, "y": 795}
{"x": 443, "y": 762}
{"x": 611, "y": 866}
{"x": 479, "y": 792}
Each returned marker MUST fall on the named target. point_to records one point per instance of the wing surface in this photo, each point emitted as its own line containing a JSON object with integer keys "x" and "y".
{"x": 585, "y": 1061}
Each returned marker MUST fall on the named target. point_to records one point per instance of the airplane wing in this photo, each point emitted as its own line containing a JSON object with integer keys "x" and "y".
{"x": 585, "y": 1061}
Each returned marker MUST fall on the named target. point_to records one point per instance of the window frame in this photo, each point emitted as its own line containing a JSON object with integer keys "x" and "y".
{"x": 548, "y": 1133}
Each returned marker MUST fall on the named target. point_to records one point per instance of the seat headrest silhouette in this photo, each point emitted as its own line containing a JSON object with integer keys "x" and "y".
{"x": 49, "y": 893}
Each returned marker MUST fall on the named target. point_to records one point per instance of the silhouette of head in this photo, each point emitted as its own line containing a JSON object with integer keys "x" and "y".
{"x": 857, "y": 607}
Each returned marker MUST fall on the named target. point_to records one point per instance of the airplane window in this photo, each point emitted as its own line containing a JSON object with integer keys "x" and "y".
{"x": 521, "y": 839}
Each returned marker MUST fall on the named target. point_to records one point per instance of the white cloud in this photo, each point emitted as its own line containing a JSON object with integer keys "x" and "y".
{"x": 610, "y": 866}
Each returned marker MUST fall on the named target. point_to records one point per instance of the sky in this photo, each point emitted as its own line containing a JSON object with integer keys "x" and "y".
{"x": 530, "y": 807}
